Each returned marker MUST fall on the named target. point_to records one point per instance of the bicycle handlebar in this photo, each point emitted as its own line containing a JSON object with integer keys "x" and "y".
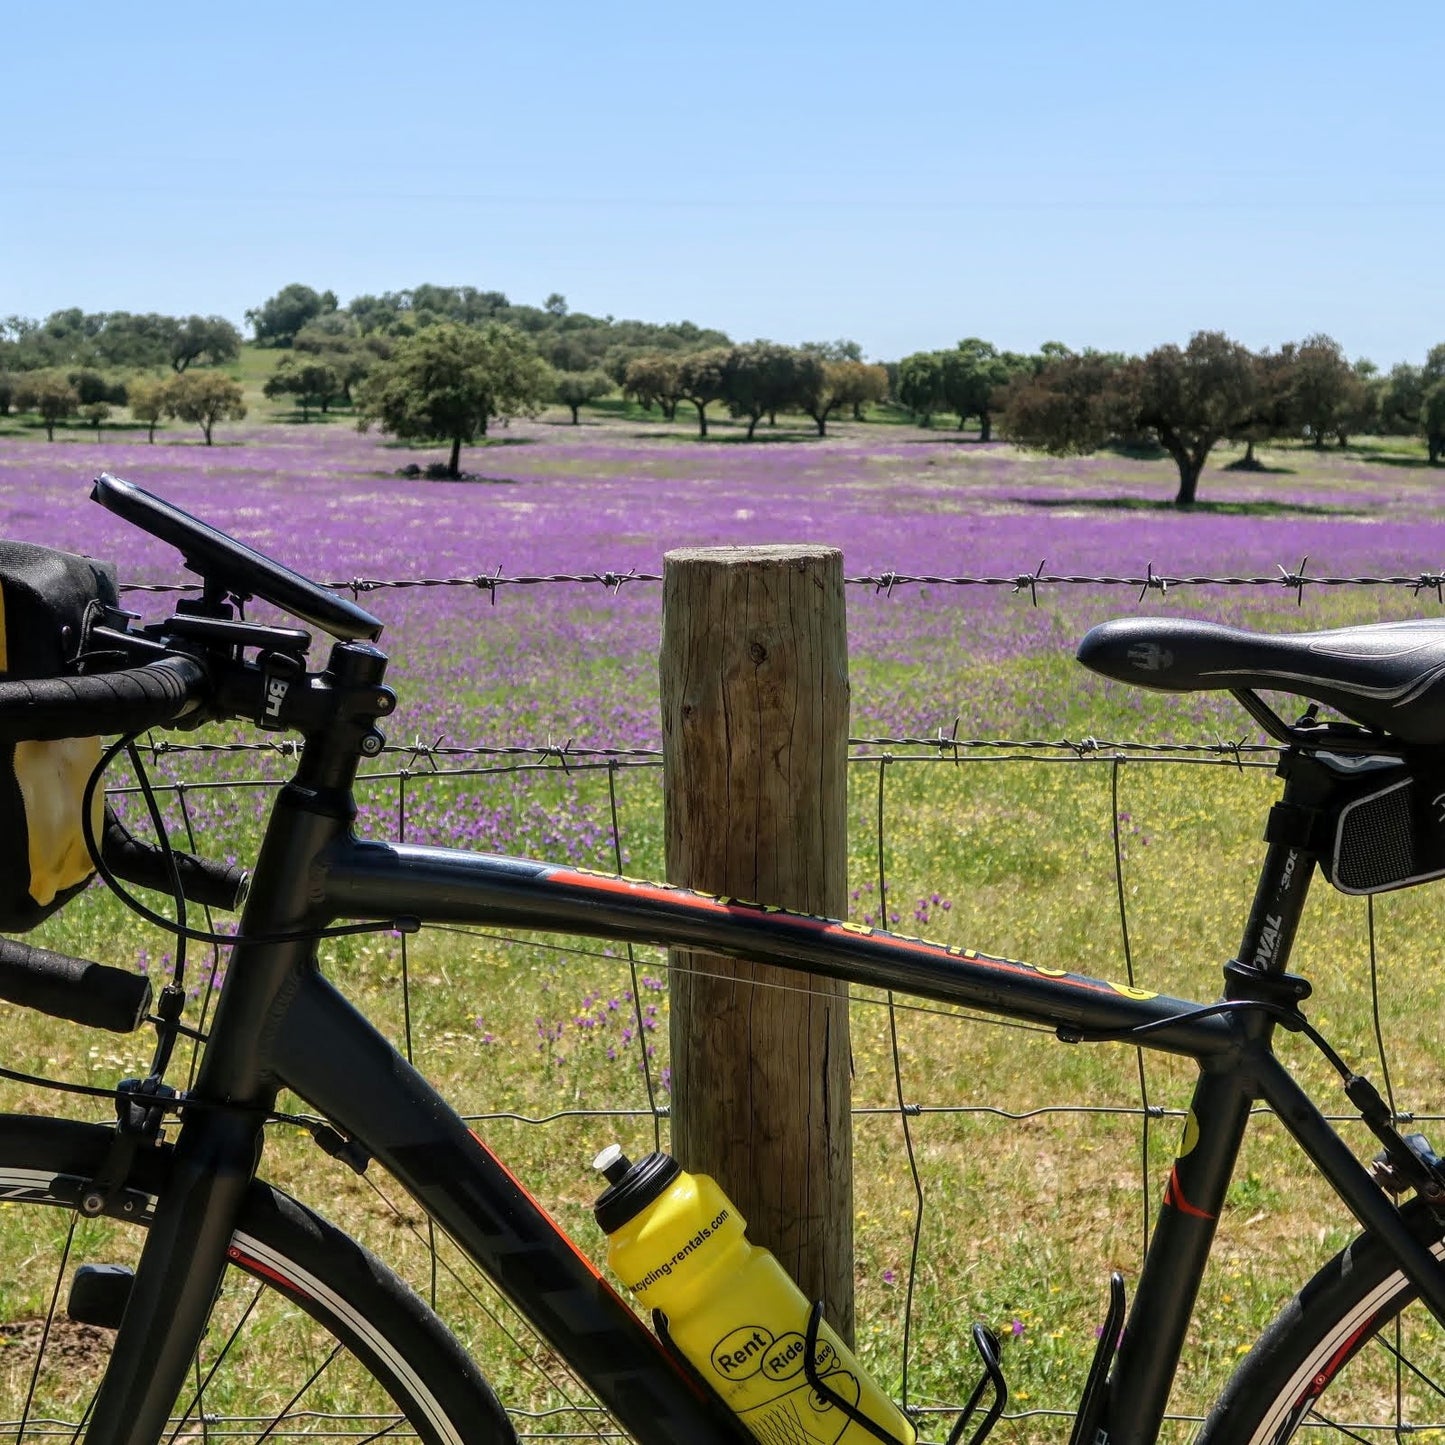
{"x": 130, "y": 700}
{"x": 174, "y": 688}
{"x": 84, "y": 992}
{"x": 218, "y": 885}
{"x": 73, "y": 988}
{"x": 127, "y": 701}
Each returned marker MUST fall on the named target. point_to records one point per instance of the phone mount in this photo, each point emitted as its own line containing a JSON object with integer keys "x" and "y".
{"x": 230, "y": 567}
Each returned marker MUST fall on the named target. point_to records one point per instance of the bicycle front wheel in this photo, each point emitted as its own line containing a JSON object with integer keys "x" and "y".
{"x": 311, "y": 1335}
{"x": 1354, "y": 1356}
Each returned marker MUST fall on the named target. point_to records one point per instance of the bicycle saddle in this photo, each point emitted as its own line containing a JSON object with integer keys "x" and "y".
{"x": 1389, "y": 676}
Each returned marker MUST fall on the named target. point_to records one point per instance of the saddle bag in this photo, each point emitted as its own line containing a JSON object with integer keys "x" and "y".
{"x": 49, "y": 603}
{"x": 1387, "y": 830}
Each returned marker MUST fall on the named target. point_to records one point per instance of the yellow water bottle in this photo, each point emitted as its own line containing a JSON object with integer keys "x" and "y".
{"x": 678, "y": 1243}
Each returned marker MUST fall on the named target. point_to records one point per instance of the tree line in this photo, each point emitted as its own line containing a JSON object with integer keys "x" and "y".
{"x": 333, "y": 349}
{"x": 588, "y": 356}
{"x": 200, "y": 397}
{"x": 440, "y": 363}
{"x": 118, "y": 340}
{"x": 447, "y": 382}
{"x": 1186, "y": 400}
{"x": 85, "y": 364}
{"x": 501, "y": 359}
{"x": 758, "y": 379}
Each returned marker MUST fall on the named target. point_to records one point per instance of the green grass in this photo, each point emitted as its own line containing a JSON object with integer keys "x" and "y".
{"x": 252, "y": 368}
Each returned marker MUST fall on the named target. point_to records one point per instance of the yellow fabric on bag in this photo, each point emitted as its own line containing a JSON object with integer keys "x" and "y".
{"x": 52, "y": 778}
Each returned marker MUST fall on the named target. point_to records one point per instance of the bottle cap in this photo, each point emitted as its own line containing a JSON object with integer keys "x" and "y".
{"x": 630, "y": 1187}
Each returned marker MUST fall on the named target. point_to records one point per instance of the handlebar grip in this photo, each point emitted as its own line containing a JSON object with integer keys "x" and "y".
{"x": 202, "y": 881}
{"x": 127, "y": 701}
{"x": 73, "y": 988}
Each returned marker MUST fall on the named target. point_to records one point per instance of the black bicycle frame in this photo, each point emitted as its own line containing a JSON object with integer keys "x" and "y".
{"x": 280, "y": 1023}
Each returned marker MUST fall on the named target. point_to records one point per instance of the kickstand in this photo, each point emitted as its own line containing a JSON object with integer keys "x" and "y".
{"x": 986, "y": 1343}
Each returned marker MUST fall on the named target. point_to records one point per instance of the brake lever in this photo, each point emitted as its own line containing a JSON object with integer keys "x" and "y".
{"x": 134, "y": 647}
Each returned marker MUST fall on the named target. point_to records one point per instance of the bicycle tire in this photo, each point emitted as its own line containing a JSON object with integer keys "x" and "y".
{"x": 394, "y": 1371}
{"x": 1354, "y": 1356}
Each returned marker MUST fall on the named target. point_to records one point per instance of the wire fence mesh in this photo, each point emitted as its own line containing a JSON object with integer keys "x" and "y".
{"x": 916, "y": 1093}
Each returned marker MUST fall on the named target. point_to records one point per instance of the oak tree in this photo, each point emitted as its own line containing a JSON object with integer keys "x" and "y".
{"x": 211, "y": 340}
{"x": 857, "y": 384}
{"x": 204, "y": 398}
{"x": 1184, "y": 399}
{"x": 1413, "y": 399}
{"x": 702, "y": 380}
{"x": 574, "y": 389}
{"x": 276, "y": 321}
{"x": 654, "y": 378}
{"x": 50, "y": 395}
{"x": 762, "y": 378}
{"x": 306, "y": 377}
{"x": 973, "y": 373}
{"x": 146, "y": 397}
{"x": 838, "y": 384}
{"x": 446, "y": 382}
{"x": 921, "y": 386}
{"x": 1321, "y": 383}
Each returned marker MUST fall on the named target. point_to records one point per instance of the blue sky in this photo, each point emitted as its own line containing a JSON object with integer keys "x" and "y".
{"x": 1107, "y": 174}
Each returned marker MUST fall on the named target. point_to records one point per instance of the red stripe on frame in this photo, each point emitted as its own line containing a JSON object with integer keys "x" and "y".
{"x": 805, "y": 922}
{"x": 1174, "y": 1196}
{"x": 541, "y": 1209}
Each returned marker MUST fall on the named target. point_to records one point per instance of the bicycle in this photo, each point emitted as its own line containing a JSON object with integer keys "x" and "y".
{"x": 1358, "y": 805}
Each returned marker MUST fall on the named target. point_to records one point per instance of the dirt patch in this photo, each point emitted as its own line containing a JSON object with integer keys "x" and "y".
{"x": 75, "y": 1345}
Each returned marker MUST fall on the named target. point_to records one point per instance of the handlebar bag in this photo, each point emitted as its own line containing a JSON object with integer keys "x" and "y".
{"x": 49, "y": 603}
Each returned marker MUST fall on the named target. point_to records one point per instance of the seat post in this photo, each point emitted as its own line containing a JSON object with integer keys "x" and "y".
{"x": 1288, "y": 868}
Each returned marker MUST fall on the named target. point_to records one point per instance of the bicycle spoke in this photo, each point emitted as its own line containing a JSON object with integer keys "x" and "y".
{"x": 200, "y": 1390}
{"x": 382, "y": 1433}
{"x": 295, "y": 1399}
{"x": 84, "y": 1421}
{"x": 45, "y": 1330}
{"x": 1314, "y": 1417}
{"x": 1404, "y": 1363}
{"x": 215, "y": 1365}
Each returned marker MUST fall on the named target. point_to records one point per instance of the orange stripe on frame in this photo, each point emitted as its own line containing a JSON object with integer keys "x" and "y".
{"x": 812, "y": 923}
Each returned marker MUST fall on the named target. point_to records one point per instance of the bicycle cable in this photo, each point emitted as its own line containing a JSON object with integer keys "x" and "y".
{"x": 1289, "y": 1018}
{"x": 170, "y": 1105}
{"x": 404, "y": 924}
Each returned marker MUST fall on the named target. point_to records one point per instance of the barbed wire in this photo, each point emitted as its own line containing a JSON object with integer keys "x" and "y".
{"x": 887, "y": 581}
{"x": 944, "y": 747}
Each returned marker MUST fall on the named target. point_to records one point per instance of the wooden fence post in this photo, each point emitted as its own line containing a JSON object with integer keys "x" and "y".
{"x": 754, "y": 681}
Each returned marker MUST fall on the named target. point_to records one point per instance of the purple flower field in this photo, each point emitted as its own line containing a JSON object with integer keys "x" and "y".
{"x": 568, "y": 661}
{"x": 326, "y": 500}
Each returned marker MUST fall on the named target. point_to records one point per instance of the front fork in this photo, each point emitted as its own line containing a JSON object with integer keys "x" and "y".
{"x": 177, "y": 1279}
